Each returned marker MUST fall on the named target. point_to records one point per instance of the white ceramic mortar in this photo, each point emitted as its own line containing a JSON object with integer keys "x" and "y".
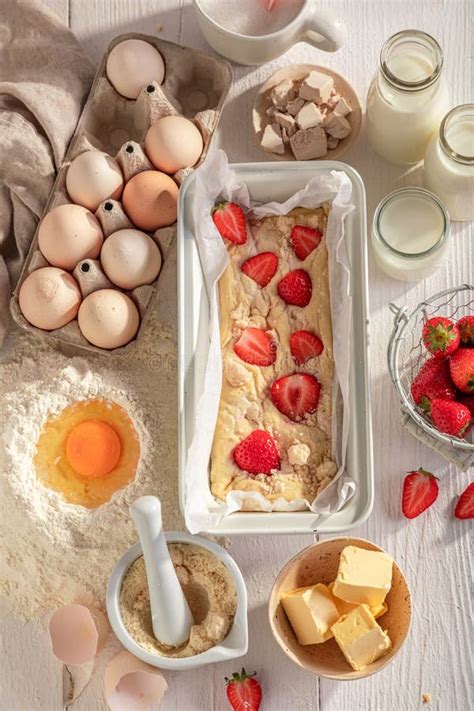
{"x": 233, "y": 646}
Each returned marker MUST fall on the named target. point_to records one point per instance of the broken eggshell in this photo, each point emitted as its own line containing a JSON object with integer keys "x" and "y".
{"x": 74, "y": 634}
{"x": 132, "y": 685}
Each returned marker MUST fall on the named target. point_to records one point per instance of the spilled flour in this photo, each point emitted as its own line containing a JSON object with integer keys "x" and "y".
{"x": 55, "y": 552}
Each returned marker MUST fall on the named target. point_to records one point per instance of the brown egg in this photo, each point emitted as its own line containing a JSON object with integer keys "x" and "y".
{"x": 150, "y": 200}
{"x": 49, "y": 298}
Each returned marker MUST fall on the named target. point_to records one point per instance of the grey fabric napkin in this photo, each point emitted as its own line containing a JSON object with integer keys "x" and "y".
{"x": 44, "y": 81}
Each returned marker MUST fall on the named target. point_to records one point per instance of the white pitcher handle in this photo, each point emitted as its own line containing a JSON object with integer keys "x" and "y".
{"x": 324, "y": 32}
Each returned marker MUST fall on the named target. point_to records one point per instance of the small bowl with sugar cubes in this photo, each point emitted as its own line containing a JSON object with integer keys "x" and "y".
{"x": 341, "y": 609}
{"x": 306, "y": 112}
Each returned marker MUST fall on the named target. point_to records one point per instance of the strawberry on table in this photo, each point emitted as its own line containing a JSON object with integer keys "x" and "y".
{"x": 305, "y": 345}
{"x": 305, "y": 240}
{"x": 255, "y": 347}
{"x": 440, "y": 336}
{"x": 295, "y": 288}
{"x": 466, "y": 330}
{"x": 450, "y": 417}
{"x": 296, "y": 396}
{"x": 261, "y": 268}
{"x": 257, "y": 453}
{"x": 465, "y": 505}
{"x": 432, "y": 381}
{"x": 230, "y": 220}
{"x": 461, "y": 368}
{"x": 420, "y": 491}
{"x": 244, "y": 691}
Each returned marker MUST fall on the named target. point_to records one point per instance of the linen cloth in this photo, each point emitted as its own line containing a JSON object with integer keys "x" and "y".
{"x": 45, "y": 77}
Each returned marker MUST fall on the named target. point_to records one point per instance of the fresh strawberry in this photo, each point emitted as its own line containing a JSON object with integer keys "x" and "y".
{"x": 420, "y": 491}
{"x": 305, "y": 240}
{"x": 296, "y": 288}
{"x": 440, "y": 336}
{"x": 466, "y": 330}
{"x": 230, "y": 221}
{"x": 296, "y": 395}
{"x": 244, "y": 692}
{"x": 465, "y": 505}
{"x": 450, "y": 417}
{"x": 257, "y": 453}
{"x": 305, "y": 345}
{"x": 432, "y": 382}
{"x": 255, "y": 347}
{"x": 261, "y": 268}
{"x": 468, "y": 401}
{"x": 461, "y": 367}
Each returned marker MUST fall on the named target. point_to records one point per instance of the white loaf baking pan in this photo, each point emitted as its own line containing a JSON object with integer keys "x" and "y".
{"x": 267, "y": 182}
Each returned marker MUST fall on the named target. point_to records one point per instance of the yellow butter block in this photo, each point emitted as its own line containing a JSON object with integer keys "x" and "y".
{"x": 346, "y": 607}
{"x": 311, "y": 612}
{"x": 363, "y": 577}
{"x": 360, "y": 637}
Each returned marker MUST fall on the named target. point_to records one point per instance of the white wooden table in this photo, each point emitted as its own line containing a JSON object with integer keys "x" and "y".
{"x": 433, "y": 550}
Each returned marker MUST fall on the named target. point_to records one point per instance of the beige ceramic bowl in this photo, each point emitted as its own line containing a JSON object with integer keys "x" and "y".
{"x": 296, "y": 72}
{"x": 318, "y": 564}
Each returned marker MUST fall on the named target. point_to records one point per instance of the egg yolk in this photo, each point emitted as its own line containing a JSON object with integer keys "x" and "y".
{"x": 87, "y": 452}
{"x": 93, "y": 448}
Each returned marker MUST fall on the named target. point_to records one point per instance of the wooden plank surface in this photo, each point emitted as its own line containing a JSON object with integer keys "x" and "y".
{"x": 434, "y": 551}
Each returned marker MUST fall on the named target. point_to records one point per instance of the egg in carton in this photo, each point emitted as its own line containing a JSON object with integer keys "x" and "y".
{"x": 195, "y": 86}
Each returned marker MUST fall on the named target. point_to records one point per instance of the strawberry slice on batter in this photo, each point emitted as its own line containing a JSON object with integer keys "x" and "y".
{"x": 257, "y": 453}
{"x": 305, "y": 240}
{"x": 255, "y": 347}
{"x": 296, "y": 396}
{"x": 261, "y": 268}
{"x": 296, "y": 288}
{"x": 305, "y": 345}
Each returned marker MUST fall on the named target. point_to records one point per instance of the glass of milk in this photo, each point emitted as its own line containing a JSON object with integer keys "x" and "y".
{"x": 449, "y": 163}
{"x": 407, "y": 98}
{"x": 410, "y": 234}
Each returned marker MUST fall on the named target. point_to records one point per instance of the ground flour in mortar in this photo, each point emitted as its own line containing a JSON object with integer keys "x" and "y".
{"x": 209, "y": 590}
{"x": 54, "y": 552}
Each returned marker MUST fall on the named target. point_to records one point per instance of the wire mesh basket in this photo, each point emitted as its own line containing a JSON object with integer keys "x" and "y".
{"x": 406, "y": 355}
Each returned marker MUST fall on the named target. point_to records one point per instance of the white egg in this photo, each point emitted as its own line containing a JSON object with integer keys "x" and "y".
{"x": 93, "y": 177}
{"x": 172, "y": 143}
{"x": 49, "y": 298}
{"x": 132, "y": 64}
{"x": 130, "y": 258}
{"x": 68, "y": 234}
{"x": 108, "y": 318}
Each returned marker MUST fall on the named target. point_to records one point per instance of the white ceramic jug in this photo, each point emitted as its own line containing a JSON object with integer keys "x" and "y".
{"x": 317, "y": 28}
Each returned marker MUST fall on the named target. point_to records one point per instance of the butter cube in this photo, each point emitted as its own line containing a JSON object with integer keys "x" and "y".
{"x": 309, "y": 116}
{"x": 360, "y": 638}
{"x": 311, "y": 613}
{"x": 363, "y": 576}
{"x": 309, "y": 143}
{"x": 272, "y": 139}
{"x": 316, "y": 87}
{"x": 346, "y": 607}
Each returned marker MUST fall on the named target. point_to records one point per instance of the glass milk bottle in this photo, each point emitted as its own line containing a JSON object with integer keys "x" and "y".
{"x": 408, "y": 97}
{"x": 449, "y": 163}
{"x": 410, "y": 234}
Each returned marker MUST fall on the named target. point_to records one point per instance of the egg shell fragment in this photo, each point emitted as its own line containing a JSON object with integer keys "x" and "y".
{"x": 172, "y": 143}
{"x": 130, "y": 258}
{"x": 133, "y": 63}
{"x": 150, "y": 200}
{"x": 132, "y": 685}
{"x": 73, "y": 634}
{"x": 68, "y": 234}
{"x": 49, "y": 298}
{"x": 108, "y": 319}
{"x": 92, "y": 177}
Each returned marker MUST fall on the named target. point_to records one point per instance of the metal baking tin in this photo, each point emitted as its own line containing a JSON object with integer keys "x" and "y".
{"x": 267, "y": 182}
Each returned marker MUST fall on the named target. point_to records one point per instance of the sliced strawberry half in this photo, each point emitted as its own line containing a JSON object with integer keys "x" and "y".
{"x": 243, "y": 690}
{"x": 296, "y": 288}
{"x": 296, "y": 396}
{"x": 420, "y": 491}
{"x": 257, "y": 453}
{"x": 305, "y": 240}
{"x": 305, "y": 345}
{"x": 261, "y": 268}
{"x": 255, "y": 347}
{"x": 230, "y": 220}
{"x": 465, "y": 505}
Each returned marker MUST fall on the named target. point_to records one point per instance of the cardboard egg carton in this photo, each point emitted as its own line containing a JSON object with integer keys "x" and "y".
{"x": 195, "y": 86}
